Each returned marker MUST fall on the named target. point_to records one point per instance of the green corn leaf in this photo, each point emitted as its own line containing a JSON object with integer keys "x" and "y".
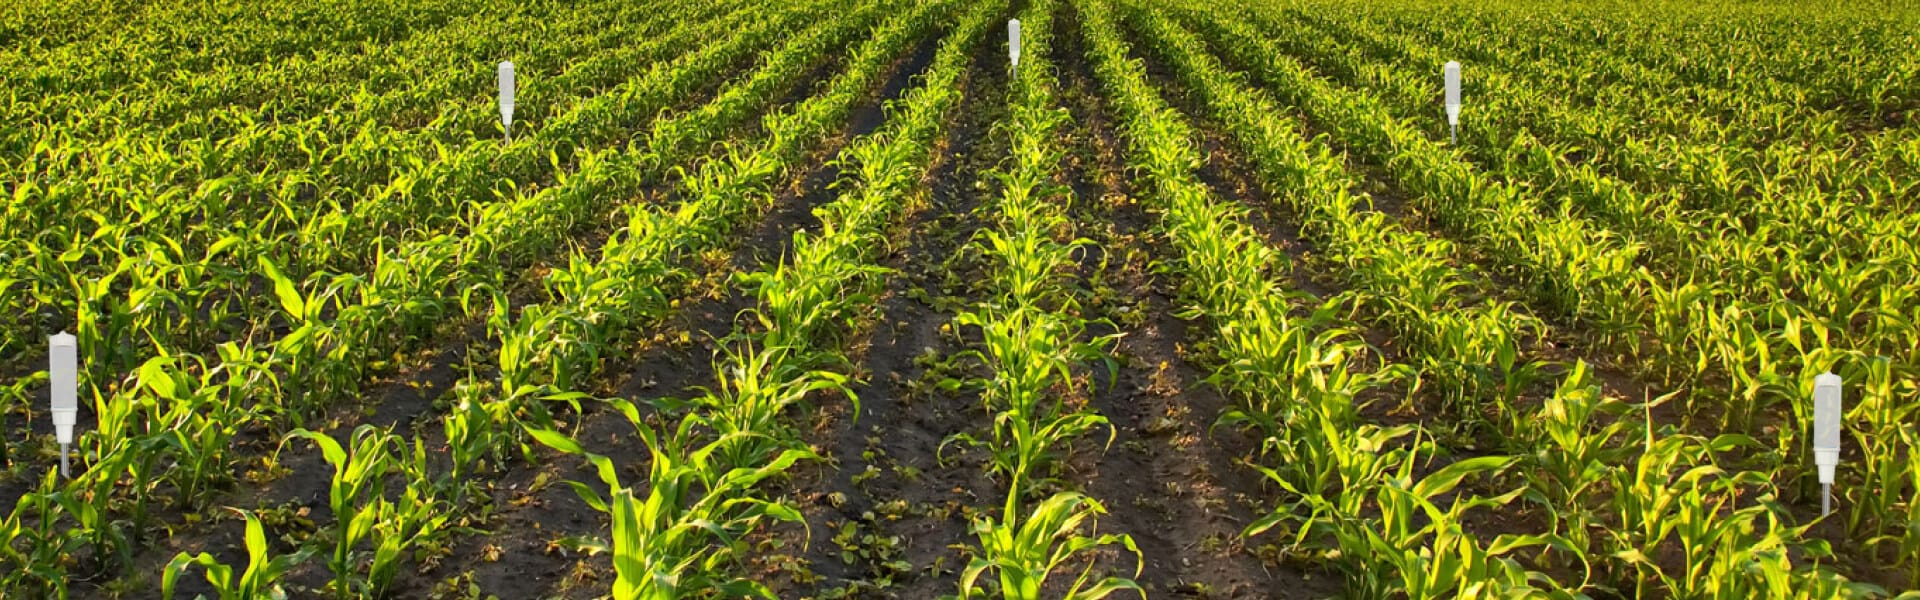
{"x": 283, "y": 287}
{"x": 1444, "y": 480}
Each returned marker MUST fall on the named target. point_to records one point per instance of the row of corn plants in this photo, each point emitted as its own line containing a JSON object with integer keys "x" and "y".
{"x": 46, "y": 26}
{"x": 1688, "y": 108}
{"x": 456, "y": 99}
{"x": 1763, "y": 356}
{"x": 562, "y": 51}
{"x": 1858, "y": 62}
{"x": 1718, "y": 158}
{"x": 1734, "y": 362}
{"x": 327, "y": 174}
{"x": 1034, "y": 342}
{"x": 1563, "y": 459}
{"x": 1824, "y": 57}
{"x": 374, "y": 532}
{"x": 679, "y": 535}
{"x": 317, "y": 166}
{"x": 167, "y": 281}
{"x": 1472, "y": 348}
{"x": 355, "y": 240}
{"x": 207, "y": 394}
{"x": 596, "y": 304}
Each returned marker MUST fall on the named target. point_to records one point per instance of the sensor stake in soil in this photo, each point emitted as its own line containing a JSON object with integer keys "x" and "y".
{"x": 1013, "y": 41}
{"x": 1826, "y": 434}
{"x": 63, "y": 370}
{"x": 1453, "y": 102}
{"x": 506, "y": 97}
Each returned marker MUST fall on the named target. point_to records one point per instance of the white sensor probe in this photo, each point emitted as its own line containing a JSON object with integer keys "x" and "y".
{"x": 1826, "y": 434}
{"x": 63, "y": 369}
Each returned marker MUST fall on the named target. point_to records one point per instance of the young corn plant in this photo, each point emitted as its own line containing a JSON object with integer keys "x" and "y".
{"x": 1676, "y": 501}
{"x": 1286, "y": 368}
{"x": 1420, "y": 549}
{"x": 1908, "y": 540}
{"x": 356, "y": 494}
{"x": 1578, "y": 436}
{"x": 1330, "y": 469}
{"x": 1032, "y": 352}
{"x": 680, "y": 537}
{"x": 477, "y": 438}
{"x": 197, "y": 420}
{"x": 35, "y": 544}
{"x": 260, "y": 580}
{"x": 757, "y": 386}
{"x": 1022, "y": 553}
{"x": 417, "y": 520}
{"x": 100, "y": 512}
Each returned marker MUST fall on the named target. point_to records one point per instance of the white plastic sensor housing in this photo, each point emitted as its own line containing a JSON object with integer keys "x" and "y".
{"x": 506, "y": 94}
{"x": 63, "y": 370}
{"x": 1013, "y": 41}
{"x": 1453, "y": 93}
{"x": 1826, "y": 425}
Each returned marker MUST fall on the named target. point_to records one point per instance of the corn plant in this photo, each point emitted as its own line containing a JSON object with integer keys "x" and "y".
{"x": 1397, "y": 556}
{"x": 35, "y": 543}
{"x": 1329, "y": 471}
{"x": 196, "y": 422}
{"x": 419, "y": 519}
{"x": 678, "y": 537}
{"x": 1030, "y": 353}
{"x": 475, "y": 434}
{"x": 356, "y": 494}
{"x": 757, "y": 387}
{"x": 1022, "y": 552}
{"x": 1675, "y": 497}
{"x": 1578, "y": 436}
{"x": 260, "y": 580}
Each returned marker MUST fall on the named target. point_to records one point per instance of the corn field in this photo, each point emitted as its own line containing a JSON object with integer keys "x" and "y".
{"x": 1016, "y": 299}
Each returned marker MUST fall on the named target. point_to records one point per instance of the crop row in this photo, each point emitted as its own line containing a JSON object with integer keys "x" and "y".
{"x": 399, "y": 84}
{"x": 1766, "y": 111}
{"x": 1856, "y": 63}
{"x": 662, "y": 534}
{"x": 1033, "y": 341}
{"x": 1721, "y": 158}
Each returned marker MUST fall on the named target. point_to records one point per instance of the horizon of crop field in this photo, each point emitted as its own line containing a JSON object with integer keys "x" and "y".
{"x": 922, "y": 299}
